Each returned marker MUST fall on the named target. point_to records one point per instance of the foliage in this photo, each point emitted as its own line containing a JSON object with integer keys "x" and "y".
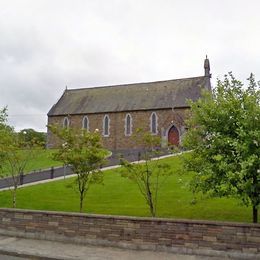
{"x": 31, "y": 136}
{"x": 4, "y": 129}
{"x": 224, "y": 132}
{"x": 119, "y": 196}
{"x": 42, "y": 159}
{"x": 81, "y": 150}
{"x": 15, "y": 153}
{"x": 3, "y": 117}
{"x": 149, "y": 175}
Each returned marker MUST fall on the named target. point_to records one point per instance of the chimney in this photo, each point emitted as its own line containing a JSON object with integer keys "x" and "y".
{"x": 207, "y": 67}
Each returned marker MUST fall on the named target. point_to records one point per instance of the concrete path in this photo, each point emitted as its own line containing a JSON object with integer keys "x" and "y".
{"x": 57, "y": 173}
{"x": 20, "y": 248}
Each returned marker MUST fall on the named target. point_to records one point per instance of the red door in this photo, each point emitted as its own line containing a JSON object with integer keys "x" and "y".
{"x": 173, "y": 136}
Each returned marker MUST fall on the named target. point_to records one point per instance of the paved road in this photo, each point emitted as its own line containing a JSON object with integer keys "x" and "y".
{"x": 36, "y": 176}
{"x": 52, "y": 173}
{"x": 56, "y": 172}
{"x": 9, "y": 257}
{"x": 42, "y": 249}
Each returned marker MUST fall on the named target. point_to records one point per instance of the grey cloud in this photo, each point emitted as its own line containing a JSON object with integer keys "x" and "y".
{"x": 46, "y": 45}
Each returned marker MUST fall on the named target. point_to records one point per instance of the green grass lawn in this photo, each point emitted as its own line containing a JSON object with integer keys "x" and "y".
{"x": 119, "y": 196}
{"x": 41, "y": 159}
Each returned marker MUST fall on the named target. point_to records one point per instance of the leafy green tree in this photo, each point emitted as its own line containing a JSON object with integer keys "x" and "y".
{"x": 3, "y": 134}
{"x": 15, "y": 154}
{"x": 224, "y": 133}
{"x": 3, "y": 116}
{"x": 81, "y": 150}
{"x": 18, "y": 155}
{"x": 31, "y": 136}
{"x": 149, "y": 175}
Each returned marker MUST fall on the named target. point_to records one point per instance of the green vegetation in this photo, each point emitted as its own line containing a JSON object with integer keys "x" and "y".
{"x": 17, "y": 150}
{"x": 84, "y": 153}
{"x": 150, "y": 175}
{"x": 42, "y": 160}
{"x": 15, "y": 153}
{"x": 22, "y": 152}
{"x": 120, "y": 196}
{"x": 30, "y": 135}
{"x": 225, "y": 136}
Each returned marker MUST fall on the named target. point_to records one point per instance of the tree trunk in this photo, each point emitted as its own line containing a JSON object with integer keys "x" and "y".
{"x": 81, "y": 202}
{"x": 14, "y": 197}
{"x": 255, "y": 214}
{"x": 152, "y": 211}
{"x": 255, "y": 195}
{"x": 150, "y": 202}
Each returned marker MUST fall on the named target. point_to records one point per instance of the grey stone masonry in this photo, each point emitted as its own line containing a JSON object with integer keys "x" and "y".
{"x": 236, "y": 240}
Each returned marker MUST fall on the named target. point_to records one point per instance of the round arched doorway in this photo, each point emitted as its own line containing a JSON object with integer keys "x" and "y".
{"x": 173, "y": 136}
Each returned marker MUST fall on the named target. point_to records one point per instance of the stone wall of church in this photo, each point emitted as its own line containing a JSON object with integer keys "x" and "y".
{"x": 117, "y": 139}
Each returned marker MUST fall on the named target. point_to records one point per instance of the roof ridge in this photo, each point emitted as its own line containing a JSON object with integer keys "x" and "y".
{"x": 131, "y": 84}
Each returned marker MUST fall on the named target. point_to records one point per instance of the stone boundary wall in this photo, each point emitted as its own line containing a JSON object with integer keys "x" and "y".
{"x": 239, "y": 241}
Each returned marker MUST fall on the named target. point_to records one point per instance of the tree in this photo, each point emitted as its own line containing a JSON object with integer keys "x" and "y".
{"x": 81, "y": 150}
{"x": 224, "y": 133}
{"x": 3, "y": 116}
{"x": 32, "y": 136}
{"x": 148, "y": 175}
{"x": 3, "y": 134}
{"x": 15, "y": 154}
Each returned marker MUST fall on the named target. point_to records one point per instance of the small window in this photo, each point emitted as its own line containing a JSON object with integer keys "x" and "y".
{"x": 153, "y": 123}
{"x": 128, "y": 125}
{"x": 85, "y": 123}
{"x": 106, "y": 125}
{"x": 66, "y": 122}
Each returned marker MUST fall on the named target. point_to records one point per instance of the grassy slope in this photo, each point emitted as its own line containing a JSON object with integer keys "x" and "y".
{"x": 41, "y": 159}
{"x": 119, "y": 196}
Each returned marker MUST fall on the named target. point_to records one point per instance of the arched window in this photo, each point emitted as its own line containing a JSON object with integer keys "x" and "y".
{"x": 106, "y": 125}
{"x": 128, "y": 125}
{"x": 85, "y": 123}
{"x": 153, "y": 123}
{"x": 66, "y": 122}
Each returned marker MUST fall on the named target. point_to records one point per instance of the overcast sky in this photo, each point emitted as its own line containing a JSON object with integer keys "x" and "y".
{"x": 46, "y": 45}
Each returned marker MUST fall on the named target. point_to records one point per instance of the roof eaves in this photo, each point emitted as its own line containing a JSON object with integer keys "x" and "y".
{"x": 118, "y": 111}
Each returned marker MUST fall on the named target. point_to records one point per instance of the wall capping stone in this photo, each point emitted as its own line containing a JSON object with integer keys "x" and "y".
{"x": 149, "y": 219}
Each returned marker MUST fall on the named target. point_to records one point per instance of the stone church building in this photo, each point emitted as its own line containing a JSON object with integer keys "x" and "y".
{"x": 117, "y": 111}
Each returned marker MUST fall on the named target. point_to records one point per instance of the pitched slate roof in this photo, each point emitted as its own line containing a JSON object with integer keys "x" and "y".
{"x": 130, "y": 97}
